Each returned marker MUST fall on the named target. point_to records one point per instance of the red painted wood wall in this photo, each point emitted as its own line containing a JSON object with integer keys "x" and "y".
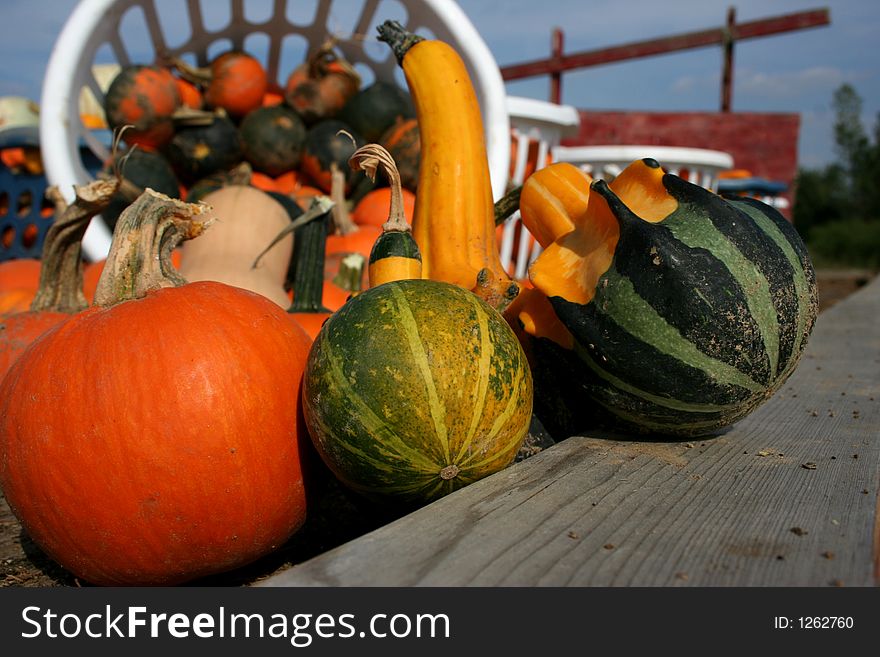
{"x": 763, "y": 143}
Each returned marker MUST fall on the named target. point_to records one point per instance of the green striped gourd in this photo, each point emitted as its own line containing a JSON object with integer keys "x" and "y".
{"x": 688, "y": 310}
{"x": 416, "y": 388}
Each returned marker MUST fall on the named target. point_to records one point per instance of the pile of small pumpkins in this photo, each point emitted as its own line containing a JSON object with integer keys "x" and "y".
{"x": 160, "y": 431}
{"x": 199, "y": 129}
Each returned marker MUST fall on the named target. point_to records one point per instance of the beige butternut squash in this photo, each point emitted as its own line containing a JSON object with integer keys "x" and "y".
{"x": 245, "y": 221}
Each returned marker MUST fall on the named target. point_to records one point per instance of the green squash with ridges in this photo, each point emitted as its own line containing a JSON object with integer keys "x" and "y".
{"x": 416, "y": 388}
{"x": 700, "y": 318}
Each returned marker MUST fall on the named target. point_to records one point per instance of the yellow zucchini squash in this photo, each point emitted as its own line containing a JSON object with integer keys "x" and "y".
{"x": 454, "y": 220}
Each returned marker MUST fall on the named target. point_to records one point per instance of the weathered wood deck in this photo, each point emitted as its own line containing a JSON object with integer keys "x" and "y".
{"x": 787, "y": 497}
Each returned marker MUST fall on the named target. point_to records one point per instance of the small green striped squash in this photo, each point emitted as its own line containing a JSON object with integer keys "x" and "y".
{"x": 416, "y": 388}
{"x": 701, "y": 316}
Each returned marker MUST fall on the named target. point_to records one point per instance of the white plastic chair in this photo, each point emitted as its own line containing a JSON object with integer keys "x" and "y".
{"x": 543, "y": 124}
{"x": 700, "y": 166}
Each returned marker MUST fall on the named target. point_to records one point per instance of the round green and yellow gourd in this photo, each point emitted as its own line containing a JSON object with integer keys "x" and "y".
{"x": 687, "y": 310}
{"x": 416, "y": 388}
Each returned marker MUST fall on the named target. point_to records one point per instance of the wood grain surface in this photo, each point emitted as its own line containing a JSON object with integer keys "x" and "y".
{"x": 787, "y": 497}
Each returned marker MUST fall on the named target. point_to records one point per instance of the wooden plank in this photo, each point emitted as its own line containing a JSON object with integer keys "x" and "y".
{"x": 787, "y": 497}
{"x": 663, "y": 45}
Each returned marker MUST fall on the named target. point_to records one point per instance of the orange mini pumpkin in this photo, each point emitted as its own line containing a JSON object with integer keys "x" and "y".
{"x": 238, "y": 83}
{"x": 321, "y": 86}
{"x": 372, "y": 209}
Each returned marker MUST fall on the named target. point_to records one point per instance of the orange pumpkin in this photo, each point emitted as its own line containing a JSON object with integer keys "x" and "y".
{"x": 16, "y": 300}
{"x": 172, "y": 481}
{"x": 238, "y": 83}
{"x": 274, "y": 95}
{"x": 19, "y": 274}
{"x": 190, "y": 95}
{"x": 321, "y": 86}
{"x": 372, "y": 209}
{"x": 286, "y": 183}
{"x": 59, "y": 292}
{"x": 305, "y": 194}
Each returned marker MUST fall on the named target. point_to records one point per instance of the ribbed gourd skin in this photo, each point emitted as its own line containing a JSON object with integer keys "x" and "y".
{"x": 416, "y": 388}
{"x": 700, "y": 318}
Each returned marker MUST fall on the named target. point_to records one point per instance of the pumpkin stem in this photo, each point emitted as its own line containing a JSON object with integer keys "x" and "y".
{"x": 507, "y": 205}
{"x": 368, "y": 159}
{"x": 61, "y": 276}
{"x": 309, "y": 246}
{"x": 317, "y": 60}
{"x": 320, "y": 206}
{"x": 198, "y": 75}
{"x": 146, "y": 233}
{"x": 60, "y": 203}
{"x": 498, "y": 291}
{"x": 320, "y": 60}
{"x": 396, "y": 36}
{"x": 186, "y": 116}
{"x": 342, "y": 222}
{"x": 351, "y": 272}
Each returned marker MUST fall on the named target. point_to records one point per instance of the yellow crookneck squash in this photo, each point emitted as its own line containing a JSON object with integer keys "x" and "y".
{"x": 454, "y": 220}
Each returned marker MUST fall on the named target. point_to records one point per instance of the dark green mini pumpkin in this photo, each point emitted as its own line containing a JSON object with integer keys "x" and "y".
{"x": 139, "y": 169}
{"x": 197, "y": 151}
{"x": 272, "y": 138}
{"x": 687, "y": 310}
{"x": 376, "y": 108}
{"x": 416, "y": 388}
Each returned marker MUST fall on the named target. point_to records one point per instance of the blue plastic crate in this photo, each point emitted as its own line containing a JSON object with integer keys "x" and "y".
{"x": 23, "y": 204}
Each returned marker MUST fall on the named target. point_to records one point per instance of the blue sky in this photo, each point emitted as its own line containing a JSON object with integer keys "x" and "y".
{"x": 794, "y": 72}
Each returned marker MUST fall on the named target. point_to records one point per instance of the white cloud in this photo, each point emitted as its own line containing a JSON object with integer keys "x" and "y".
{"x": 792, "y": 84}
{"x": 685, "y": 84}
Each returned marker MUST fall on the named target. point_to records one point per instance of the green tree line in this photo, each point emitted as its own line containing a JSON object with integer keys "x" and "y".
{"x": 837, "y": 208}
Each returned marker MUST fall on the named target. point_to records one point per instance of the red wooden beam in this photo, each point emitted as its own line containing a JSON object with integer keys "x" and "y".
{"x": 727, "y": 72}
{"x": 700, "y": 39}
{"x": 557, "y": 41}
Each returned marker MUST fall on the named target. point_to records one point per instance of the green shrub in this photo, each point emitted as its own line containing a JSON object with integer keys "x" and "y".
{"x": 846, "y": 243}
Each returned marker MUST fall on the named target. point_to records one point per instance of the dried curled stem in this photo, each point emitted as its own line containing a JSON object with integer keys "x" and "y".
{"x": 368, "y": 159}
{"x": 61, "y": 278}
{"x": 146, "y": 233}
{"x": 198, "y": 75}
